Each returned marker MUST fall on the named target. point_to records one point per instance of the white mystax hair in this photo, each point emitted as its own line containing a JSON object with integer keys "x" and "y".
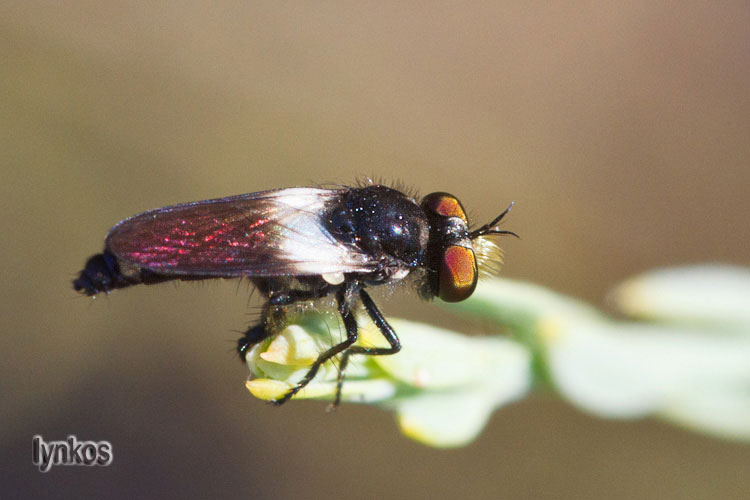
{"x": 489, "y": 255}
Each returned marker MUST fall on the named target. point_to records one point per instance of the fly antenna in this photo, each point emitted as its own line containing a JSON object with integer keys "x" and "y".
{"x": 488, "y": 228}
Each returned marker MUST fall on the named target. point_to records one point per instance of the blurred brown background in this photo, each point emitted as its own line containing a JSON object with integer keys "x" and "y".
{"x": 620, "y": 129}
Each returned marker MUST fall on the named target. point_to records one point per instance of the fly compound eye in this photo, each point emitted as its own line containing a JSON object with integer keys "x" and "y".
{"x": 444, "y": 205}
{"x": 451, "y": 258}
{"x": 457, "y": 274}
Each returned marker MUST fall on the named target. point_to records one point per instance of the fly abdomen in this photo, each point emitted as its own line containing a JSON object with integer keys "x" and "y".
{"x": 102, "y": 274}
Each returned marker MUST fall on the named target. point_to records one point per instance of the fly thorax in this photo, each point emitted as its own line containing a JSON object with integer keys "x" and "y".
{"x": 382, "y": 223}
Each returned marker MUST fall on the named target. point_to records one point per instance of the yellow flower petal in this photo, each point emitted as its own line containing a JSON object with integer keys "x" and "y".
{"x": 293, "y": 346}
{"x": 267, "y": 389}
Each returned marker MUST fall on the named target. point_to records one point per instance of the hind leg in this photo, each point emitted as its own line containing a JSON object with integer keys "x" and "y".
{"x": 273, "y": 317}
{"x": 252, "y": 336}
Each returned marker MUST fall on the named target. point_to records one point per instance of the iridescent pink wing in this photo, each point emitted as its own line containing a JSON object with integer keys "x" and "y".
{"x": 271, "y": 233}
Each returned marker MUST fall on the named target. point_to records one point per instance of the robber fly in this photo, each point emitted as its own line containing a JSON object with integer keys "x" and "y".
{"x": 301, "y": 244}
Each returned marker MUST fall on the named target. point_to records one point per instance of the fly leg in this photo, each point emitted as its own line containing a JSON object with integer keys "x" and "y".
{"x": 345, "y": 298}
{"x": 385, "y": 329}
{"x": 274, "y": 317}
{"x": 253, "y": 335}
{"x": 292, "y": 296}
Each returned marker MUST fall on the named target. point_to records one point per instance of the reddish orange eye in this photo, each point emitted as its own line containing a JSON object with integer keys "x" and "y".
{"x": 458, "y": 274}
{"x": 446, "y": 205}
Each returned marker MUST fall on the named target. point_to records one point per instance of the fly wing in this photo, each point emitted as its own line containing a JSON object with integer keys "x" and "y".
{"x": 271, "y": 233}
